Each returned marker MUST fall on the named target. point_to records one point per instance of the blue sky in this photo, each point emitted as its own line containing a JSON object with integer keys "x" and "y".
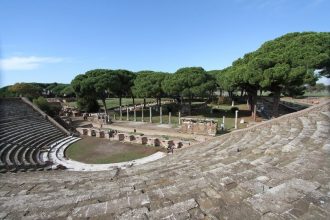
{"x": 48, "y": 41}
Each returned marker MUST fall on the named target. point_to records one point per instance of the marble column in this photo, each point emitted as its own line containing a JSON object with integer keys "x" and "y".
{"x": 169, "y": 117}
{"x": 134, "y": 114}
{"x": 160, "y": 115}
{"x": 223, "y": 121}
{"x": 236, "y": 116}
{"x": 179, "y": 118}
{"x": 150, "y": 114}
{"x": 142, "y": 116}
{"x": 120, "y": 113}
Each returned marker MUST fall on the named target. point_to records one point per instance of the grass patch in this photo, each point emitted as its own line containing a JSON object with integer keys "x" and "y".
{"x": 93, "y": 150}
{"x": 323, "y": 93}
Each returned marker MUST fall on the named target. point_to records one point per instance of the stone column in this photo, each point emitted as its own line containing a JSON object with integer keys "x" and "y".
{"x": 179, "y": 118}
{"x": 120, "y": 113}
{"x": 223, "y": 121}
{"x": 169, "y": 117}
{"x": 127, "y": 116}
{"x": 160, "y": 115}
{"x": 236, "y": 115}
{"x": 232, "y": 103}
{"x": 134, "y": 113}
{"x": 150, "y": 114}
{"x": 142, "y": 116}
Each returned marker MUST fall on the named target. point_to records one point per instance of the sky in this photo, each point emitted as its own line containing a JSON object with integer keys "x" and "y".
{"x": 55, "y": 40}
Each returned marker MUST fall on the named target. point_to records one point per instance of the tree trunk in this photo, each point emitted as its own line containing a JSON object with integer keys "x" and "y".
{"x": 160, "y": 102}
{"x": 119, "y": 101}
{"x": 242, "y": 92}
{"x": 105, "y": 106}
{"x": 260, "y": 92}
{"x": 276, "y": 101}
{"x": 133, "y": 100}
{"x": 144, "y": 102}
{"x": 252, "y": 96}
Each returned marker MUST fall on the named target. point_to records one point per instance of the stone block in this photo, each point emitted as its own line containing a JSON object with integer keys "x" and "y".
{"x": 144, "y": 140}
{"x": 120, "y": 136}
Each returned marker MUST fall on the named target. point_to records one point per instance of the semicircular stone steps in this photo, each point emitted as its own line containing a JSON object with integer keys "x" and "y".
{"x": 24, "y": 133}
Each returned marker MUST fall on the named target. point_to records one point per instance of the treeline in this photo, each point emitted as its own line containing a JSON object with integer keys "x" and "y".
{"x": 283, "y": 66}
{"x": 100, "y": 84}
{"x": 34, "y": 90}
{"x": 37, "y": 92}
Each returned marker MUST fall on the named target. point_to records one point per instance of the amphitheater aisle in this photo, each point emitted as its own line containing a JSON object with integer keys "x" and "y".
{"x": 279, "y": 169}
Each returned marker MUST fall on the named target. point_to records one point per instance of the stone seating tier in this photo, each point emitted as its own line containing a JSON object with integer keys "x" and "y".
{"x": 23, "y": 132}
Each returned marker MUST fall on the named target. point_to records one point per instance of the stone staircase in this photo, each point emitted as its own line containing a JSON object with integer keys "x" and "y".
{"x": 278, "y": 169}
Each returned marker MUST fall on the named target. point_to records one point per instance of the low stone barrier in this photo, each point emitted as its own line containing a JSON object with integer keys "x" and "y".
{"x": 133, "y": 138}
{"x": 199, "y": 126}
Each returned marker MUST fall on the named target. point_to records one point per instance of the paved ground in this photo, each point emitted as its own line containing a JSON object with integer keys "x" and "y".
{"x": 278, "y": 169}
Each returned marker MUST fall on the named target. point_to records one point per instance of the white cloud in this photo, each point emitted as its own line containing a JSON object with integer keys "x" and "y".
{"x": 26, "y": 62}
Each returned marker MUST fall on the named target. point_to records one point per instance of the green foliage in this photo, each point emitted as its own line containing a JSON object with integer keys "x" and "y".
{"x": 67, "y": 91}
{"x": 87, "y": 104}
{"x": 26, "y": 89}
{"x": 33, "y": 90}
{"x": 100, "y": 84}
{"x": 125, "y": 83}
{"x": 283, "y": 65}
{"x": 49, "y": 109}
{"x": 189, "y": 82}
{"x": 6, "y": 92}
{"x": 148, "y": 84}
{"x": 225, "y": 80}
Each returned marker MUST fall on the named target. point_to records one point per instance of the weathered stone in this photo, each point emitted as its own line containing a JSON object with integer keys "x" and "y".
{"x": 177, "y": 208}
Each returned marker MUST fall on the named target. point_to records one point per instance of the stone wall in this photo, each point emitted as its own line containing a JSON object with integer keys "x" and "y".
{"x": 133, "y": 138}
{"x": 199, "y": 126}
